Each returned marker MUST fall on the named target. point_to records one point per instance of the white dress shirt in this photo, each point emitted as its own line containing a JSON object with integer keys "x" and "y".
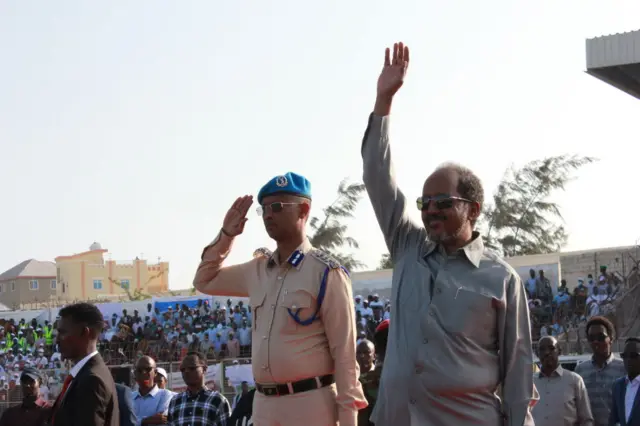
{"x": 630, "y": 395}
{"x": 76, "y": 368}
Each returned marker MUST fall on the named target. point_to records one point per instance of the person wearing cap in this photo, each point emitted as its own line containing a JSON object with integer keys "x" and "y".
{"x": 162, "y": 379}
{"x": 34, "y": 410}
{"x": 461, "y": 324}
{"x": 304, "y": 334}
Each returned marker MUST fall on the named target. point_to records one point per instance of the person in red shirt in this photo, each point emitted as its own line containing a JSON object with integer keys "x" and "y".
{"x": 33, "y": 411}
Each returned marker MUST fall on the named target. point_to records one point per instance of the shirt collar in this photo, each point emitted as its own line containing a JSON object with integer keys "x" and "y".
{"x": 606, "y": 362}
{"x": 472, "y": 251}
{"x": 152, "y": 393}
{"x": 635, "y": 381}
{"x": 200, "y": 392}
{"x": 558, "y": 372}
{"x": 78, "y": 366}
{"x": 39, "y": 402}
{"x": 296, "y": 258}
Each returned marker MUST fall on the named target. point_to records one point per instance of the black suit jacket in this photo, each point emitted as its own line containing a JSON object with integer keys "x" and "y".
{"x": 618, "y": 412}
{"x": 125, "y": 405}
{"x": 91, "y": 399}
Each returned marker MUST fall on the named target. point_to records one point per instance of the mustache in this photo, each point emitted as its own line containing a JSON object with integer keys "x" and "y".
{"x": 435, "y": 216}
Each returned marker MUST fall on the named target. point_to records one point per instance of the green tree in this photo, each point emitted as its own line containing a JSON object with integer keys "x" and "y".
{"x": 385, "y": 262}
{"x": 521, "y": 219}
{"x": 330, "y": 232}
{"x": 137, "y": 294}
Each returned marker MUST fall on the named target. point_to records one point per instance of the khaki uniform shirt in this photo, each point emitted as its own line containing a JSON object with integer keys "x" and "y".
{"x": 563, "y": 400}
{"x": 460, "y": 327}
{"x": 282, "y": 350}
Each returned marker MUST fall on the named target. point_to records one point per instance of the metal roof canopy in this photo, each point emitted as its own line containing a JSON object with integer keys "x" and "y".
{"x": 615, "y": 59}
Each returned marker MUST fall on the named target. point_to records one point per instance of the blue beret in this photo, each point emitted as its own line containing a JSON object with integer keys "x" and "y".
{"x": 289, "y": 183}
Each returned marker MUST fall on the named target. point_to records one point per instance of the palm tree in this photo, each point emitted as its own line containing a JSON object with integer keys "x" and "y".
{"x": 330, "y": 234}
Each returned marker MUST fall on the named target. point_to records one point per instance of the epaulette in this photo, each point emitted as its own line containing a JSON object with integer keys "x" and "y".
{"x": 325, "y": 258}
{"x": 262, "y": 252}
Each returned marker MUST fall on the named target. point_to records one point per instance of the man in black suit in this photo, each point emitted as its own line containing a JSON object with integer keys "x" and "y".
{"x": 125, "y": 405}
{"x": 88, "y": 396}
{"x": 625, "y": 410}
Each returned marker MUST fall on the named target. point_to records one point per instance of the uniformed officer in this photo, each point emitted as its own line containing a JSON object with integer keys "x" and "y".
{"x": 304, "y": 339}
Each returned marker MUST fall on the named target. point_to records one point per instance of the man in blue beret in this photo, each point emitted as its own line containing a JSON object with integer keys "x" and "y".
{"x": 304, "y": 339}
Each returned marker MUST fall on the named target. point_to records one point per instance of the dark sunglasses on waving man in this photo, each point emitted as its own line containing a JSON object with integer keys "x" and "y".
{"x": 442, "y": 201}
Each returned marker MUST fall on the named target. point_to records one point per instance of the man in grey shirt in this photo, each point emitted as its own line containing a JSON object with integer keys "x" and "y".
{"x": 460, "y": 328}
{"x": 601, "y": 370}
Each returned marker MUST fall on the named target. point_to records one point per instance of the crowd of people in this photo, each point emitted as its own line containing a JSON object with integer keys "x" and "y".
{"x": 554, "y": 313}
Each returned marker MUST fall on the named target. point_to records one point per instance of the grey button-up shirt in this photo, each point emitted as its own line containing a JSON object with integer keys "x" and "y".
{"x": 563, "y": 400}
{"x": 460, "y": 327}
{"x": 599, "y": 383}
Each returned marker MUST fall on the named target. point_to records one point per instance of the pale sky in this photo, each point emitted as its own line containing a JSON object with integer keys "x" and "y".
{"x": 136, "y": 124}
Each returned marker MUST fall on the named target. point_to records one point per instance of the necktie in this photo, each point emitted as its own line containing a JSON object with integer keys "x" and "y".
{"x": 56, "y": 405}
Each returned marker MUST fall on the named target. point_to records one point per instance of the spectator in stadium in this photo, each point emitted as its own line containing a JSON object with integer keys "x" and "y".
{"x": 161, "y": 380}
{"x": 150, "y": 403}
{"x": 369, "y": 378}
{"x": 197, "y": 402}
{"x": 88, "y": 395}
{"x": 34, "y": 410}
{"x": 459, "y": 331}
{"x": 243, "y": 406}
{"x": 602, "y": 369}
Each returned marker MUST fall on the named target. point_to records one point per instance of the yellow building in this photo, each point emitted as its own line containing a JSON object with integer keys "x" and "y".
{"x": 88, "y": 276}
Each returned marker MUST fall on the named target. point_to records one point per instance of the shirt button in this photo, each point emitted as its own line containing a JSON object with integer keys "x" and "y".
{"x": 438, "y": 290}
{"x": 279, "y": 278}
{"x": 273, "y": 306}
{"x": 412, "y": 401}
{"x": 425, "y": 341}
{"x": 431, "y": 314}
{"x": 264, "y": 337}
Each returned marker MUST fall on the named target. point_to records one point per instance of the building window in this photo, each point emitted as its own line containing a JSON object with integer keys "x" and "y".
{"x": 54, "y": 284}
{"x": 97, "y": 284}
{"x": 124, "y": 284}
{"x": 33, "y": 285}
{"x": 13, "y": 286}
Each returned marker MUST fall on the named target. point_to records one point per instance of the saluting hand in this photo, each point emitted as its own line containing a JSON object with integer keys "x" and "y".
{"x": 236, "y": 217}
{"x": 395, "y": 68}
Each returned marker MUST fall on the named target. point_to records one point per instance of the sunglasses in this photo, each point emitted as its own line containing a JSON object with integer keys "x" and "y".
{"x": 630, "y": 355}
{"x": 442, "y": 202}
{"x": 601, "y": 337}
{"x": 276, "y": 207}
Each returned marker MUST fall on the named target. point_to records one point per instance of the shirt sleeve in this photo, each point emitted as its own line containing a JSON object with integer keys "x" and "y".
{"x": 516, "y": 356}
{"x": 213, "y": 278}
{"x": 389, "y": 203}
{"x": 583, "y": 406}
{"x": 339, "y": 323}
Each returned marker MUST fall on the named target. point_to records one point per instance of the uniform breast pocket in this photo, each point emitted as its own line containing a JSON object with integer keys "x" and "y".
{"x": 257, "y": 307}
{"x": 468, "y": 313}
{"x": 297, "y": 306}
